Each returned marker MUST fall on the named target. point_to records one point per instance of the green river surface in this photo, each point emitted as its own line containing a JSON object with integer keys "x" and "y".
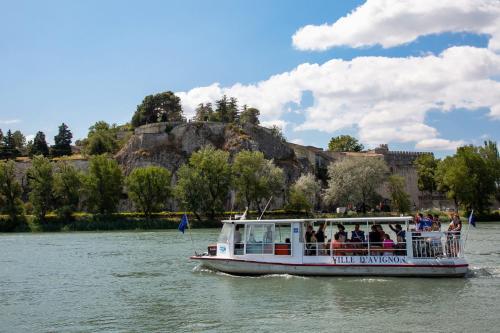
{"x": 144, "y": 282}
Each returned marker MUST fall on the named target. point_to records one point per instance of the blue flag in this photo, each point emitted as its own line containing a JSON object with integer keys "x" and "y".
{"x": 472, "y": 220}
{"x": 184, "y": 223}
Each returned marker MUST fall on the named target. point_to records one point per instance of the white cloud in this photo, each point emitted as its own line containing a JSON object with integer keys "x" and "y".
{"x": 439, "y": 144}
{"x": 275, "y": 122}
{"x": 9, "y": 121}
{"x": 386, "y": 99}
{"x": 394, "y": 22}
{"x": 297, "y": 141}
{"x": 30, "y": 137}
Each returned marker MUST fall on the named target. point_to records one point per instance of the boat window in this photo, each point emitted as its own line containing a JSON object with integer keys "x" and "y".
{"x": 225, "y": 233}
{"x": 283, "y": 233}
{"x": 239, "y": 245}
{"x": 260, "y": 238}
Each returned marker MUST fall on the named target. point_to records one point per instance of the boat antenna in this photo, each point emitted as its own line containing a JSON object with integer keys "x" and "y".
{"x": 265, "y": 208}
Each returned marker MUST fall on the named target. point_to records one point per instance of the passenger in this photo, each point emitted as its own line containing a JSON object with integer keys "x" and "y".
{"x": 337, "y": 244}
{"x": 435, "y": 226}
{"x": 455, "y": 225}
{"x": 342, "y": 230}
{"x": 357, "y": 235}
{"x": 400, "y": 233}
{"x": 320, "y": 237}
{"x": 374, "y": 239}
{"x": 436, "y": 219}
{"x": 430, "y": 220}
{"x": 424, "y": 224}
{"x": 381, "y": 231}
{"x": 309, "y": 232}
{"x": 309, "y": 239}
{"x": 388, "y": 244}
{"x": 374, "y": 236}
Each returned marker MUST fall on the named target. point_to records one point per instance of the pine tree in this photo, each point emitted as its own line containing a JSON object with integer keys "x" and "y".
{"x": 39, "y": 146}
{"x": 8, "y": 149}
{"x": 62, "y": 142}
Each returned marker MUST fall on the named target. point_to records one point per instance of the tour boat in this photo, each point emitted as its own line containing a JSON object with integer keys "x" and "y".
{"x": 258, "y": 247}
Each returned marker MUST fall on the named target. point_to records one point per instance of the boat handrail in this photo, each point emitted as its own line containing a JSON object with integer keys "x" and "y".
{"x": 346, "y": 220}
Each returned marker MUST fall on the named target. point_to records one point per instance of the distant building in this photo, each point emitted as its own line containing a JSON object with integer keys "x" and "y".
{"x": 399, "y": 163}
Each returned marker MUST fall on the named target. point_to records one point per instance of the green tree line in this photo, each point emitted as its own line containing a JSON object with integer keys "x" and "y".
{"x": 471, "y": 177}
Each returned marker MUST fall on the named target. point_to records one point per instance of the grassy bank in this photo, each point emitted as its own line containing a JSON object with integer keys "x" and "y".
{"x": 165, "y": 220}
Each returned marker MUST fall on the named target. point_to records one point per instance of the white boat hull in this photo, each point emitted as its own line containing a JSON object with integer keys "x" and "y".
{"x": 433, "y": 268}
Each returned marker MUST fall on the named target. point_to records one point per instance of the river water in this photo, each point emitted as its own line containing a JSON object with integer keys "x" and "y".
{"x": 143, "y": 282}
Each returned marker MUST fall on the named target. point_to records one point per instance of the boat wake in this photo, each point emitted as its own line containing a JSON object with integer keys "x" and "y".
{"x": 481, "y": 272}
{"x": 202, "y": 269}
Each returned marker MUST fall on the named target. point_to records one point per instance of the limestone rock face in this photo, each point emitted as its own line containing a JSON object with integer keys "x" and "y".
{"x": 171, "y": 145}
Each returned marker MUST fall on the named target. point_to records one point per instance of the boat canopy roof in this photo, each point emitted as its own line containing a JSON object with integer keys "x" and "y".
{"x": 347, "y": 220}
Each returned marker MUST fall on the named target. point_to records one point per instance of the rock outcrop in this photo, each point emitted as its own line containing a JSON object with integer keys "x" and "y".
{"x": 170, "y": 145}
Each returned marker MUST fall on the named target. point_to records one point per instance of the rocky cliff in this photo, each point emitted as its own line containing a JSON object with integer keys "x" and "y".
{"x": 170, "y": 145}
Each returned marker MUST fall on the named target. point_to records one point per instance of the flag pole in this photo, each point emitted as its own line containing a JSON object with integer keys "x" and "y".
{"x": 265, "y": 208}
{"x": 468, "y": 227}
{"x": 190, "y": 234}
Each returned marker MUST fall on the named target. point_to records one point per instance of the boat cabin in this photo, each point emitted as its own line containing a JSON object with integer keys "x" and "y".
{"x": 310, "y": 240}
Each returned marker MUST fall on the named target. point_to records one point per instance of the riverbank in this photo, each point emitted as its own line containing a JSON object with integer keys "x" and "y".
{"x": 165, "y": 221}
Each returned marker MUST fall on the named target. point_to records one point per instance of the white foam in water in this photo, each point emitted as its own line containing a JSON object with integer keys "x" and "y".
{"x": 476, "y": 272}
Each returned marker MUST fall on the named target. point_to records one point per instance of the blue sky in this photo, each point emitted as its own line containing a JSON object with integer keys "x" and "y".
{"x": 82, "y": 61}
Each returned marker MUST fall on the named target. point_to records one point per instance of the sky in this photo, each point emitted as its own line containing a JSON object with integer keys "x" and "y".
{"x": 418, "y": 75}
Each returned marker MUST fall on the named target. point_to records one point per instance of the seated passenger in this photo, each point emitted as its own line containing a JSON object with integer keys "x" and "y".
{"x": 357, "y": 235}
{"x": 342, "y": 230}
{"x": 337, "y": 244}
{"x": 381, "y": 231}
{"x": 374, "y": 236}
{"x": 388, "y": 244}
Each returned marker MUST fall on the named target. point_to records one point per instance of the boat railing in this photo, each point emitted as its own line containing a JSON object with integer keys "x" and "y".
{"x": 437, "y": 245}
{"x": 353, "y": 249}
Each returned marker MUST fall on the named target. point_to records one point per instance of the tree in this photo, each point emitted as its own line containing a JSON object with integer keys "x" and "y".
{"x": 8, "y": 149}
{"x": 10, "y": 191}
{"x": 165, "y": 106}
{"x": 67, "y": 190}
{"x": 101, "y": 139}
{"x": 467, "y": 179}
{"x": 39, "y": 146}
{"x": 19, "y": 140}
{"x": 103, "y": 185}
{"x": 355, "y": 180}
{"x": 1, "y": 138}
{"x": 399, "y": 197}
{"x": 304, "y": 193}
{"x": 255, "y": 178}
{"x": 490, "y": 153}
{"x": 62, "y": 142}
{"x": 344, "y": 143}
{"x": 426, "y": 166}
{"x": 226, "y": 110}
{"x": 249, "y": 116}
{"x": 277, "y": 132}
{"x": 203, "y": 183}
{"x": 204, "y": 112}
{"x": 149, "y": 188}
{"x": 41, "y": 185}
